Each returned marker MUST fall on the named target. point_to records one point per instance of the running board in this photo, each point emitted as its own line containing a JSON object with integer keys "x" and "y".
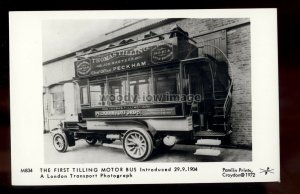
{"x": 207, "y": 152}
{"x": 208, "y": 142}
{"x": 112, "y": 145}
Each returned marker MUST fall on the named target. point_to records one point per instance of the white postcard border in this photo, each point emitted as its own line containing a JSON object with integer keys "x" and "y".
{"x": 26, "y": 78}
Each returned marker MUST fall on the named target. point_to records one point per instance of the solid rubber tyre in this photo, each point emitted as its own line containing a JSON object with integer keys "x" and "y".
{"x": 138, "y": 144}
{"x": 60, "y": 142}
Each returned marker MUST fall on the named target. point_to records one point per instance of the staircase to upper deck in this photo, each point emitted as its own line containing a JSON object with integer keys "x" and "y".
{"x": 218, "y": 124}
{"x": 219, "y": 98}
{"x": 222, "y": 108}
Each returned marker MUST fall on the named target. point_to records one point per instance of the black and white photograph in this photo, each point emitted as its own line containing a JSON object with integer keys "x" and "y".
{"x": 144, "y": 97}
{"x": 151, "y": 90}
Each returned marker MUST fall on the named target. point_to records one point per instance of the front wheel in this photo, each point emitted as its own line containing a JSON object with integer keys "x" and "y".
{"x": 138, "y": 144}
{"x": 60, "y": 142}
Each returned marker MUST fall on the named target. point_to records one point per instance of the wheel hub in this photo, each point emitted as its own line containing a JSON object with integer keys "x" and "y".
{"x": 135, "y": 144}
{"x": 59, "y": 142}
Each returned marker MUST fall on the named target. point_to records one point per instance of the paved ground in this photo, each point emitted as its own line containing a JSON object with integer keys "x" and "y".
{"x": 84, "y": 153}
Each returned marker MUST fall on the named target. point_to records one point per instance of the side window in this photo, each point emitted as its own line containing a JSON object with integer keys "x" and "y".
{"x": 166, "y": 87}
{"x": 117, "y": 91}
{"x": 139, "y": 89}
{"x": 98, "y": 94}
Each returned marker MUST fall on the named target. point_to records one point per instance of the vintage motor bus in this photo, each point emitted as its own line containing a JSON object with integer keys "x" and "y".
{"x": 151, "y": 94}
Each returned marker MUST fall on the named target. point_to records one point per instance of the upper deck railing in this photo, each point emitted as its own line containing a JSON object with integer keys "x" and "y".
{"x": 128, "y": 43}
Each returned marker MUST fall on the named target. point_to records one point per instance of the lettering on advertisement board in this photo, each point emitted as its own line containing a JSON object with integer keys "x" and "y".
{"x": 123, "y": 60}
{"x": 162, "y": 53}
{"x": 83, "y": 67}
{"x": 138, "y": 112}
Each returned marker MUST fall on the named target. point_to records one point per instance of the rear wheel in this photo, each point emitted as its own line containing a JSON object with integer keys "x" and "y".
{"x": 138, "y": 144}
{"x": 91, "y": 140}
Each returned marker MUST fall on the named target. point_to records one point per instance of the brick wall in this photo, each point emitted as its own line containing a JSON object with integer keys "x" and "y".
{"x": 238, "y": 45}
